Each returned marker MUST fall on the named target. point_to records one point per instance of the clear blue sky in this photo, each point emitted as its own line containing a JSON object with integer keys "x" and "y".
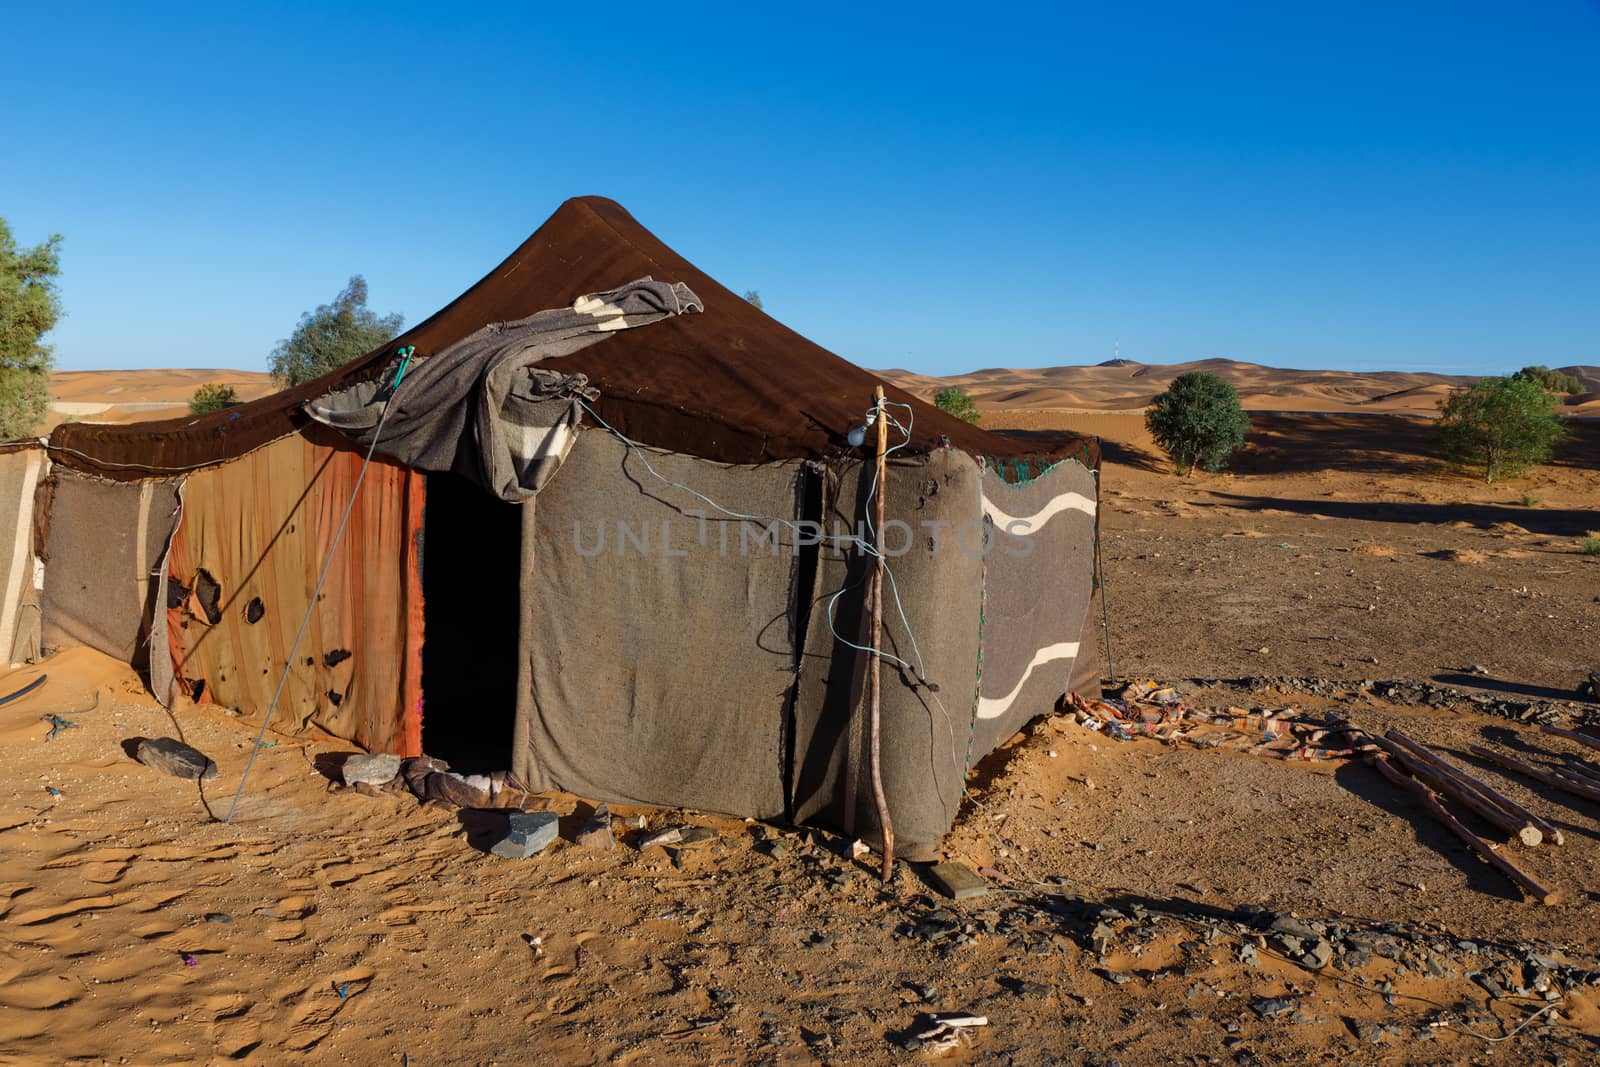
{"x": 1348, "y": 185}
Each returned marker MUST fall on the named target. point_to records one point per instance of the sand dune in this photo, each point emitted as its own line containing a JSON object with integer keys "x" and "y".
{"x": 1124, "y": 385}
{"x": 136, "y": 395}
{"x": 1119, "y": 385}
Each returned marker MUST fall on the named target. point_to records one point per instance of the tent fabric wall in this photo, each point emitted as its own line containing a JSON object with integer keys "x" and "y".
{"x": 659, "y": 665}
{"x": 103, "y": 545}
{"x": 1037, "y": 587}
{"x": 936, "y": 565}
{"x": 20, "y": 472}
{"x": 253, "y": 538}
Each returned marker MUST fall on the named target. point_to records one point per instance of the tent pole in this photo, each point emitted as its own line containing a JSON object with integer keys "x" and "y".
{"x": 877, "y": 639}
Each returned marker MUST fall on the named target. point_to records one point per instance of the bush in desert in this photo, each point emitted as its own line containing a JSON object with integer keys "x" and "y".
{"x": 29, "y": 308}
{"x": 212, "y": 397}
{"x": 955, "y": 401}
{"x": 1198, "y": 422}
{"x": 331, "y": 336}
{"x": 1553, "y": 380}
{"x": 1498, "y": 426}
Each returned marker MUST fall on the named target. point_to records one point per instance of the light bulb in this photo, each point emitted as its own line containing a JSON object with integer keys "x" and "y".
{"x": 857, "y": 437}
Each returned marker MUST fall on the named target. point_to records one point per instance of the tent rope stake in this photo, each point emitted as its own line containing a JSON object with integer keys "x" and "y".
{"x": 327, "y": 565}
{"x": 877, "y": 637}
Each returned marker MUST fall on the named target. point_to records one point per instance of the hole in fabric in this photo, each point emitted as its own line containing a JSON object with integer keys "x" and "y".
{"x": 311, "y": 661}
{"x": 335, "y": 698}
{"x": 209, "y": 592}
{"x": 254, "y": 610}
{"x": 336, "y": 657}
{"x": 197, "y": 688}
{"x": 176, "y": 594}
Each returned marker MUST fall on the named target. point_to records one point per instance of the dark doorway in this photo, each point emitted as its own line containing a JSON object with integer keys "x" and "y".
{"x": 471, "y": 591}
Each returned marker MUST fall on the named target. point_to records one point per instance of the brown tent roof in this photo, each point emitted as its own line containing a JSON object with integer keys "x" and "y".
{"x": 730, "y": 384}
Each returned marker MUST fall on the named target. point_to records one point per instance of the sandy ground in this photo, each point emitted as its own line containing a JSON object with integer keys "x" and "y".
{"x": 333, "y": 927}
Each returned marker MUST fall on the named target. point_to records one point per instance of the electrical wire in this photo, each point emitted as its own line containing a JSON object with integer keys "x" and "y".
{"x": 867, "y": 548}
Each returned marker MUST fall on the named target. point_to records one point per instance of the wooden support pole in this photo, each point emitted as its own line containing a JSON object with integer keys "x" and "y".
{"x": 1439, "y": 781}
{"x": 1535, "y": 773}
{"x": 1573, "y": 735}
{"x": 1470, "y": 839}
{"x": 1495, "y": 797}
{"x": 884, "y": 822}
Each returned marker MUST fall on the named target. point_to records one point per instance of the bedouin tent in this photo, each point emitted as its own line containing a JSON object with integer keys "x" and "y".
{"x": 612, "y": 529}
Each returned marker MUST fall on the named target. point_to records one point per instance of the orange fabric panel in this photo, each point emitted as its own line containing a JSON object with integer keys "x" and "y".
{"x": 260, "y": 527}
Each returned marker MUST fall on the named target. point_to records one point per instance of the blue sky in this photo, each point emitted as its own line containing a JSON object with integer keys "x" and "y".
{"x": 1349, "y": 185}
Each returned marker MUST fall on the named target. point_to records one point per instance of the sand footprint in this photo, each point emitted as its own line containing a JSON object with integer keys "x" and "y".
{"x": 155, "y": 900}
{"x": 231, "y": 1033}
{"x": 403, "y": 931}
{"x": 36, "y": 916}
{"x": 9, "y": 892}
{"x": 295, "y": 907}
{"x": 313, "y": 1019}
{"x": 40, "y": 994}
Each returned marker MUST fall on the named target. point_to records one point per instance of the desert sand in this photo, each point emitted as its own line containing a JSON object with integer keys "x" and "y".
{"x": 331, "y": 926}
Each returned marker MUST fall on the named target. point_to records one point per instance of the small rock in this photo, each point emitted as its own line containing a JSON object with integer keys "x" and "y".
{"x": 1288, "y": 924}
{"x": 670, "y": 836}
{"x": 957, "y": 881}
{"x": 219, "y": 917}
{"x": 1114, "y": 977}
{"x": 596, "y": 832}
{"x": 377, "y": 769}
{"x": 175, "y": 758}
{"x": 1272, "y": 1007}
{"x": 1317, "y": 956}
{"x": 527, "y": 833}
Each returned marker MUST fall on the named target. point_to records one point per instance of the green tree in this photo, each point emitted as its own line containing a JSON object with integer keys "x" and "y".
{"x": 754, "y": 298}
{"x": 955, "y": 401}
{"x": 1501, "y": 426}
{"x": 29, "y": 308}
{"x": 212, "y": 397}
{"x": 1553, "y": 380}
{"x": 1198, "y": 422}
{"x": 331, "y": 336}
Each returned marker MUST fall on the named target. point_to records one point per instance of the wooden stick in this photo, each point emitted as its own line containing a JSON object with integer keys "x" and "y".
{"x": 884, "y": 821}
{"x": 1572, "y": 735}
{"x": 1535, "y": 773}
{"x": 1441, "y": 782}
{"x": 1494, "y": 796}
{"x": 1577, "y": 768}
{"x": 1470, "y": 839}
{"x": 1566, "y": 775}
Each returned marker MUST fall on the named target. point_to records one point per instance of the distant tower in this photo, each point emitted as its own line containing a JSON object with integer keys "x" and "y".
{"x": 1116, "y": 349}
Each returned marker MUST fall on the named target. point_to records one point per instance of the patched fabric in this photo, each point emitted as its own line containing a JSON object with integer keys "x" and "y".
{"x": 482, "y": 409}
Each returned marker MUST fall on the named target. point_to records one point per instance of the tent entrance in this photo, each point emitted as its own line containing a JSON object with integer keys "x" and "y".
{"x": 471, "y": 556}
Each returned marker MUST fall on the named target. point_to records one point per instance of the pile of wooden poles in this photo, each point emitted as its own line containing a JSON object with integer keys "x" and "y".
{"x": 1431, "y": 776}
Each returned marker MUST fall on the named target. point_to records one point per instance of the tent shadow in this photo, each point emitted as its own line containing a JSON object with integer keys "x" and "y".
{"x": 1548, "y": 522}
{"x": 1495, "y": 685}
{"x": 1365, "y": 783}
{"x": 483, "y": 826}
{"x": 331, "y": 764}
